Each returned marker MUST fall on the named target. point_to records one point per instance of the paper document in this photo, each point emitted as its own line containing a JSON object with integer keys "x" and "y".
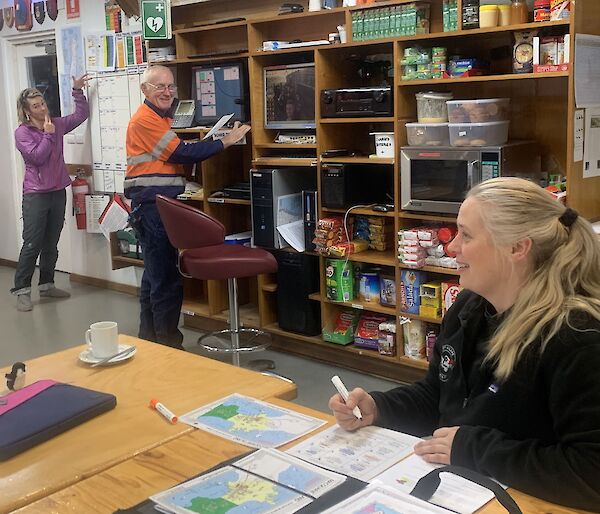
{"x": 218, "y": 125}
{"x": 266, "y": 481}
{"x": 455, "y": 493}
{"x": 293, "y": 233}
{"x": 578, "y": 134}
{"x": 232, "y": 489}
{"x": 363, "y": 454}
{"x": 115, "y": 217}
{"x": 591, "y": 147}
{"x": 380, "y": 499}
{"x": 94, "y": 207}
{"x": 251, "y": 422}
{"x": 587, "y": 71}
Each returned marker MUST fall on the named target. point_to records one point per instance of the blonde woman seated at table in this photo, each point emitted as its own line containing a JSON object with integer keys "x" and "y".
{"x": 513, "y": 388}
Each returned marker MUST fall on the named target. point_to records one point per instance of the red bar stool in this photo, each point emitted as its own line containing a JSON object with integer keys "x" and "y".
{"x": 204, "y": 255}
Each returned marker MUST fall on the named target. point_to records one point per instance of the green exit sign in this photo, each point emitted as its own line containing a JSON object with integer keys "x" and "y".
{"x": 156, "y": 18}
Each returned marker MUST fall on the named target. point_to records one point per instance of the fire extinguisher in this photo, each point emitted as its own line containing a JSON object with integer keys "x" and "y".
{"x": 80, "y": 188}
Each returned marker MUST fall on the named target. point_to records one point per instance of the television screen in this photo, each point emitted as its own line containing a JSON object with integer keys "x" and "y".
{"x": 220, "y": 89}
{"x": 290, "y": 96}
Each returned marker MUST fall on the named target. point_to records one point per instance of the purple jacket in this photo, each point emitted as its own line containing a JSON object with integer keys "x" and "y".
{"x": 45, "y": 168}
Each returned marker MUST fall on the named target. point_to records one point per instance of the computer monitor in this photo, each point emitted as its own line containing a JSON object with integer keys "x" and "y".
{"x": 219, "y": 89}
{"x": 290, "y": 96}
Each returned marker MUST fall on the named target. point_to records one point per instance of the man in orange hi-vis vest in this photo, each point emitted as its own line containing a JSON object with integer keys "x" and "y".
{"x": 155, "y": 159}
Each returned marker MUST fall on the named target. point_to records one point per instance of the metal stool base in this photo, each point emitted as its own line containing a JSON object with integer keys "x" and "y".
{"x": 234, "y": 346}
{"x": 244, "y": 347}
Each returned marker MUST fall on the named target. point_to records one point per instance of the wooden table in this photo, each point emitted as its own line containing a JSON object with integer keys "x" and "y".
{"x": 131, "y": 482}
{"x": 182, "y": 381}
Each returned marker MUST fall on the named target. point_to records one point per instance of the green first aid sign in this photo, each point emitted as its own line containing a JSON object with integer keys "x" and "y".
{"x": 156, "y": 19}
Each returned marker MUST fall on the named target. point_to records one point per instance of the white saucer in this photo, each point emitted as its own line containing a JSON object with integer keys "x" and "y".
{"x": 87, "y": 356}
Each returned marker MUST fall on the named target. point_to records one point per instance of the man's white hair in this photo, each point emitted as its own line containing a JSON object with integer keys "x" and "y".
{"x": 150, "y": 71}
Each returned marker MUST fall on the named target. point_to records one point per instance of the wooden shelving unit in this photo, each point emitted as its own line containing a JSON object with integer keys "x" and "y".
{"x": 284, "y": 161}
{"x": 542, "y": 104}
{"x": 359, "y": 160}
{"x": 485, "y": 78}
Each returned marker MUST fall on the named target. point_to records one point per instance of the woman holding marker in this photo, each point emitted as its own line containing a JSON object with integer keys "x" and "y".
{"x": 513, "y": 388}
{"x": 39, "y": 138}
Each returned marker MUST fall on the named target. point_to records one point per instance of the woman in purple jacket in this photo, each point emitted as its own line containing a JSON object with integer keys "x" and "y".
{"x": 40, "y": 140}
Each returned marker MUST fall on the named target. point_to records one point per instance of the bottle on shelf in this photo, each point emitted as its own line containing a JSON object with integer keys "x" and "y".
{"x": 518, "y": 12}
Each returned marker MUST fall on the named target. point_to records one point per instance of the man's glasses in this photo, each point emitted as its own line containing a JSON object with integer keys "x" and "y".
{"x": 161, "y": 88}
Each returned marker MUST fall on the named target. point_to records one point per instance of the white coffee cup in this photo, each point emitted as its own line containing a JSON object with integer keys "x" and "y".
{"x": 103, "y": 339}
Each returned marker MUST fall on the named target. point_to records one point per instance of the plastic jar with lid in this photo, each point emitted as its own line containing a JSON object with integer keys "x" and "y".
{"x": 503, "y": 15}
{"x": 470, "y": 14}
{"x": 488, "y": 16}
{"x": 431, "y": 107}
{"x": 518, "y": 12}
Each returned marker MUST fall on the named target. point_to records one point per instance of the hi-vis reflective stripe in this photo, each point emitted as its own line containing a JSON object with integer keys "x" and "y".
{"x": 153, "y": 180}
{"x": 156, "y": 151}
{"x": 139, "y": 159}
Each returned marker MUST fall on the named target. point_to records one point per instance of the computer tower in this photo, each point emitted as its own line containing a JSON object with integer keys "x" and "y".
{"x": 267, "y": 187}
{"x": 297, "y": 277}
{"x": 309, "y": 212}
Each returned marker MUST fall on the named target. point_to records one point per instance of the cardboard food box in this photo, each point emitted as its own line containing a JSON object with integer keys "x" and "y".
{"x": 342, "y": 329}
{"x": 410, "y": 282}
{"x": 450, "y": 291}
{"x": 339, "y": 280}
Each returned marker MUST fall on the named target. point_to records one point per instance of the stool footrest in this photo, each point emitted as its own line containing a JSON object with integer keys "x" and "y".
{"x": 245, "y": 346}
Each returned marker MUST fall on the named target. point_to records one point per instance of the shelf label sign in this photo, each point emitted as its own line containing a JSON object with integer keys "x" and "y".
{"x": 156, "y": 19}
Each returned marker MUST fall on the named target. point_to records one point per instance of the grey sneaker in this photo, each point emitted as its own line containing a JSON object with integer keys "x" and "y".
{"x": 24, "y": 303}
{"x": 54, "y": 292}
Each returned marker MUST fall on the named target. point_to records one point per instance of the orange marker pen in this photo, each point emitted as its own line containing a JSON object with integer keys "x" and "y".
{"x": 155, "y": 404}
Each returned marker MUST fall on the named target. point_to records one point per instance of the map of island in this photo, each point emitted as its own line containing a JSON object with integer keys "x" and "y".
{"x": 231, "y": 490}
{"x": 264, "y": 482}
{"x": 251, "y": 422}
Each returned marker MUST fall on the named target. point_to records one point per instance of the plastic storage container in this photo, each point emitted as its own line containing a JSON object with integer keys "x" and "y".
{"x": 431, "y": 107}
{"x": 503, "y": 15}
{"x": 428, "y": 134}
{"x": 488, "y": 16}
{"x": 478, "y": 134}
{"x": 478, "y": 111}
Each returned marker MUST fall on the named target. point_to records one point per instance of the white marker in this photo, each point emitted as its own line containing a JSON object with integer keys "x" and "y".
{"x": 341, "y": 388}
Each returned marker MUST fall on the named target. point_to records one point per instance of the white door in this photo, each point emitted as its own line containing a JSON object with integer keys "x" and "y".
{"x": 35, "y": 68}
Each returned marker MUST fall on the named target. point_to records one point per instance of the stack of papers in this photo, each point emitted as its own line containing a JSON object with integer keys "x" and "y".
{"x": 332, "y": 461}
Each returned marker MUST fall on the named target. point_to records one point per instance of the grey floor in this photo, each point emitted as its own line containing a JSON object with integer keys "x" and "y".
{"x": 58, "y": 324}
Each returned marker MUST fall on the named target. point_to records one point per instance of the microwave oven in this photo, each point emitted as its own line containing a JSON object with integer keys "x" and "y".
{"x": 437, "y": 179}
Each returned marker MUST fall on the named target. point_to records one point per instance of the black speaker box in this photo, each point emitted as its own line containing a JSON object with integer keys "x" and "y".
{"x": 344, "y": 185}
{"x": 297, "y": 277}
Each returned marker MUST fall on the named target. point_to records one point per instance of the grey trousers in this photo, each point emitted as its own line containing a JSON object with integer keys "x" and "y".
{"x": 43, "y": 220}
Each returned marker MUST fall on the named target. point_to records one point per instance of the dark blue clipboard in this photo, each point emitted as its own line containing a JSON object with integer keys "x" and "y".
{"x": 49, "y": 413}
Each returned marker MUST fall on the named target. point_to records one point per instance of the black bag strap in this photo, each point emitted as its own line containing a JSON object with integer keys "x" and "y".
{"x": 427, "y": 486}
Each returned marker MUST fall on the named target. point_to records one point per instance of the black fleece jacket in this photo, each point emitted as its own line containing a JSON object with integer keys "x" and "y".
{"x": 538, "y": 431}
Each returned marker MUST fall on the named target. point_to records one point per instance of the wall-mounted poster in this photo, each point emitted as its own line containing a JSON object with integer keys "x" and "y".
{"x": 39, "y": 12}
{"x": 52, "y": 9}
{"x": 23, "y": 18}
{"x": 9, "y": 16}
